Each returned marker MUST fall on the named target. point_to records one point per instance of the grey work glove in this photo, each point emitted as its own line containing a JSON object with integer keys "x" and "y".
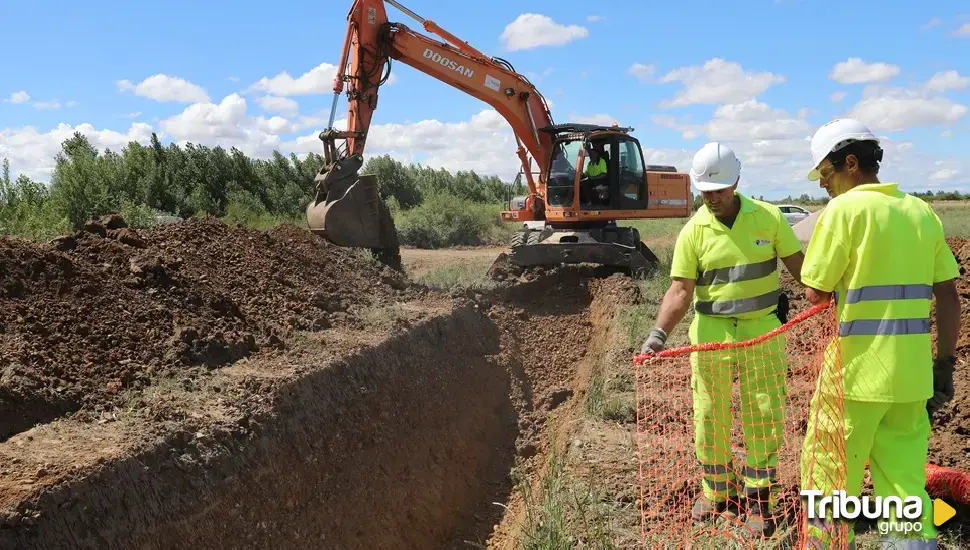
{"x": 655, "y": 342}
{"x": 942, "y": 383}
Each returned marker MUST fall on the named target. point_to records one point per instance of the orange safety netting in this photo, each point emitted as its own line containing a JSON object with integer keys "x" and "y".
{"x": 737, "y": 425}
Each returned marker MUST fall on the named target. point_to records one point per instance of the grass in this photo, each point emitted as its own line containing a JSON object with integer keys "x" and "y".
{"x": 468, "y": 274}
{"x": 565, "y": 513}
{"x": 955, "y": 217}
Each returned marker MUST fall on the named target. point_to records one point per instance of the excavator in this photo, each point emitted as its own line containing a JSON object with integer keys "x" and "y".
{"x": 588, "y": 176}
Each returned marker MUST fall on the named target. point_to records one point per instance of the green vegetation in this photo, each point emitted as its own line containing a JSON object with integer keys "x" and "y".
{"x": 434, "y": 208}
{"x": 955, "y": 217}
{"x": 566, "y": 512}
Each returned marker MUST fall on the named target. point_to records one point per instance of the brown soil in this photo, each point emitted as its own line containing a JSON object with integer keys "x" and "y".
{"x": 200, "y": 385}
{"x": 950, "y": 443}
{"x": 90, "y": 316}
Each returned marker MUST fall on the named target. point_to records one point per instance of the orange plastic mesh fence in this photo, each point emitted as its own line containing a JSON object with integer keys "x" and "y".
{"x": 728, "y": 420}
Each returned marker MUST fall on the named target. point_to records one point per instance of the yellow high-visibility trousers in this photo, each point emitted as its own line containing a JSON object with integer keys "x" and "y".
{"x": 843, "y": 434}
{"x": 760, "y": 370}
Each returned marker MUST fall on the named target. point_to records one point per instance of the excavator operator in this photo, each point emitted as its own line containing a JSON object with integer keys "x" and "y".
{"x": 594, "y": 187}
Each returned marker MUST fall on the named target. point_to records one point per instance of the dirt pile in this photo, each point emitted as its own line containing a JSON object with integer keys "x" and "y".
{"x": 292, "y": 447}
{"x": 950, "y": 442}
{"x": 89, "y": 316}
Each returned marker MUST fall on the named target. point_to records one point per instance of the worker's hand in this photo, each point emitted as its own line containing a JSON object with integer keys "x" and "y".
{"x": 655, "y": 342}
{"x": 942, "y": 383}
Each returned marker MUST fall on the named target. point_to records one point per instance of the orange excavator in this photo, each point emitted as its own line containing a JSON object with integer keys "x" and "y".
{"x": 589, "y": 176}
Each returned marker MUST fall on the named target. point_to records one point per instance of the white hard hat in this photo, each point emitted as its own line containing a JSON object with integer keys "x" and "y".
{"x": 715, "y": 167}
{"x": 835, "y": 135}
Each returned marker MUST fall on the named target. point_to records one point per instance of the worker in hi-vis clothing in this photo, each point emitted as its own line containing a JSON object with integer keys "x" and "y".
{"x": 726, "y": 259}
{"x": 883, "y": 255}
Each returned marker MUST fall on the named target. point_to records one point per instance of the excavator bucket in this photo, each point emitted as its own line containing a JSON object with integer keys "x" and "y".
{"x": 619, "y": 247}
{"x": 348, "y": 211}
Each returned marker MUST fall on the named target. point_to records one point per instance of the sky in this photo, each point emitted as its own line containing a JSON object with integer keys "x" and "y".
{"x": 760, "y": 76}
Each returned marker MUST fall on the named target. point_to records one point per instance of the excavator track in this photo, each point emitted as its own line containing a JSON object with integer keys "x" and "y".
{"x": 612, "y": 246}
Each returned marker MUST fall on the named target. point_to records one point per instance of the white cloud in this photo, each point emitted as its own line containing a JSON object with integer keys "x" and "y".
{"x": 18, "y": 97}
{"x": 746, "y": 121}
{"x": 484, "y": 143}
{"x": 946, "y": 133}
{"x": 718, "y": 81}
{"x": 896, "y": 109}
{"x": 165, "y": 88}
{"x": 228, "y": 125}
{"x": 233, "y": 79}
{"x": 641, "y": 71}
{"x": 945, "y": 81}
{"x": 595, "y": 18}
{"x": 837, "y": 97}
{"x": 532, "y": 30}
{"x": 964, "y": 30}
{"x": 32, "y": 152}
{"x": 283, "y": 105}
{"x": 132, "y": 115}
{"x": 944, "y": 174}
{"x": 855, "y": 71}
{"x": 318, "y": 80}
{"x": 47, "y": 105}
{"x": 934, "y": 22}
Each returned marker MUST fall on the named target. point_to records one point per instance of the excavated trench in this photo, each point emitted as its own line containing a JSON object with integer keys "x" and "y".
{"x": 395, "y": 438}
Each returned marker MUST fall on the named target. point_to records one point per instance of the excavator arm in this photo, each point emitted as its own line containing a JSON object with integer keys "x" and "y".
{"x": 372, "y": 41}
{"x": 347, "y": 208}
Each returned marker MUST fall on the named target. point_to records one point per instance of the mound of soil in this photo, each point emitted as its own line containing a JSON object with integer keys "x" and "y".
{"x": 89, "y": 316}
{"x": 950, "y": 442}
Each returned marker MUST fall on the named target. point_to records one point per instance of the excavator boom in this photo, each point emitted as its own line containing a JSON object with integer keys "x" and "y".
{"x": 348, "y": 209}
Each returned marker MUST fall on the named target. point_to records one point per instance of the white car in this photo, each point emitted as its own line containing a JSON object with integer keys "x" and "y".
{"x": 792, "y": 213}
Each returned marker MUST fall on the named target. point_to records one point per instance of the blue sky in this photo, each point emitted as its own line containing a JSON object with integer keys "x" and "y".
{"x": 760, "y": 76}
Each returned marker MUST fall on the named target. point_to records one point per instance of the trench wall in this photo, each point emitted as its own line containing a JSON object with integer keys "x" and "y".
{"x": 402, "y": 445}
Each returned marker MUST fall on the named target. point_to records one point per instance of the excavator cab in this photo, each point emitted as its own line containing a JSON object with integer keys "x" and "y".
{"x": 611, "y": 178}
{"x": 596, "y": 176}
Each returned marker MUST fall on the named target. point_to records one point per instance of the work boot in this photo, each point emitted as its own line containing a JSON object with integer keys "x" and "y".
{"x": 705, "y": 509}
{"x": 759, "y": 518}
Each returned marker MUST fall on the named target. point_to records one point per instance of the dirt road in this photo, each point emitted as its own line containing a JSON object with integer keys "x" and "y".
{"x": 418, "y": 261}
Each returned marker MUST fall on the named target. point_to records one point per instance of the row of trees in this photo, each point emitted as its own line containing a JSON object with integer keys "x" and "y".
{"x": 142, "y": 182}
{"x": 928, "y": 196}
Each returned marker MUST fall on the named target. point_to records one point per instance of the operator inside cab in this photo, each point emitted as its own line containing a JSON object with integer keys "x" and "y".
{"x": 594, "y": 187}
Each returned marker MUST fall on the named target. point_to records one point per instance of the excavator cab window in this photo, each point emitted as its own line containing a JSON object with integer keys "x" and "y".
{"x": 612, "y": 178}
{"x": 631, "y": 175}
{"x": 562, "y": 173}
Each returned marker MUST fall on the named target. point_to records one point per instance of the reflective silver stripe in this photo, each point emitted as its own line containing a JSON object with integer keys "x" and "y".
{"x": 734, "y": 307}
{"x": 889, "y": 292}
{"x": 738, "y": 273}
{"x": 715, "y": 469}
{"x": 759, "y": 473}
{"x": 883, "y": 327}
{"x": 718, "y": 485}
